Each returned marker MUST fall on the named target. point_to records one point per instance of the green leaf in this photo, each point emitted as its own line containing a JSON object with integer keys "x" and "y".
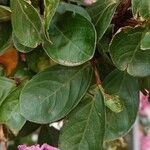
{"x": 50, "y": 9}
{"x": 113, "y": 102}
{"x": 9, "y": 111}
{"x": 141, "y": 9}
{"x": 5, "y": 13}
{"x": 126, "y": 87}
{"x": 48, "y": 135}
{"x": 6, "y": 85}
{"x": 63, "y": 7}
{"x": 101, "y": 13}
{"x": 26, "y": 23}
{"x": 19, "y": 46}
{"x": 72, "y": 44}
{"x": 145, "y": 43}
{"x": 85, "y": 126}
{"x": 126, "y": 52}
{"x": 53, "y": 93}
{"x": 5, "y": 36}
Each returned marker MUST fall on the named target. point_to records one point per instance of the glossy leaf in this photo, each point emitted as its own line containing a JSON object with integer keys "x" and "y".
{"x": 145, "y": 43}
{"x": 19, "y": 46}
{"x": 5, "y": 13}
{"x": 50, "y": 9}
{"x": 63, "y": 7}
{"x": 72, "y": 44}
{"x": 141, "y": 9}
{"x": 126, "y": 53}
{"x": 6, "y": 85}
{"x": 53, "y": 93}
{"x": 85, "y": 126}
{"x": 101, "y": 13}
{"x": 126, "y": 87}
{"x": 26, "y": 23}
{"x": 5, "y": 36}
{"x": 9, "y": 111}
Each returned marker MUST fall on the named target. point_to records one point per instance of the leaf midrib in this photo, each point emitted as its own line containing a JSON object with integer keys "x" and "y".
{"x": 136, "y": 49}
{"x": 64, "y": 84}
{"x": 71, "y": 41}
{"x": 88, "y": 121}
{"x": 28, "y": 18}
{"x": 98, "y": 19}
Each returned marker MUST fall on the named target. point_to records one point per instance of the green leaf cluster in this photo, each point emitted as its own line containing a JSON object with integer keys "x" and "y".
{"x": 77, "y": 63}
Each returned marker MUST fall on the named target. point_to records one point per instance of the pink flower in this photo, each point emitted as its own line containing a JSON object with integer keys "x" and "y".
{"x": 37, "y": 147}
{"x": 47, "y": 147}
{"x": 144, "y": 104}
{"x": 145, "y": 143}
{"x": 24, "y": 147}
{"x": 89, "y": 2}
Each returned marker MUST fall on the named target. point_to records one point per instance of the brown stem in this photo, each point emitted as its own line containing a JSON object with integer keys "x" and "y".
{"x": 97, "y": 76}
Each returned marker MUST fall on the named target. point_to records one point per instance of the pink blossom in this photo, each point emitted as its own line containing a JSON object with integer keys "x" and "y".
{"x": 89, "y": 2}
{"x": 144, "y": 104}
{"x": 24, "y": 147}
{"x": 145, "y": 143}
{"x": 47, "y": 147}
{"x": 37, "y": 147}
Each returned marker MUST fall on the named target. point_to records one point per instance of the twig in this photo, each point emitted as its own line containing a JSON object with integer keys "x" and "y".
{"x": 97, "y": 76}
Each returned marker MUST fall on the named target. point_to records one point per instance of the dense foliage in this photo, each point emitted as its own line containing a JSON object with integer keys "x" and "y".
{"x": 67, "y": 60}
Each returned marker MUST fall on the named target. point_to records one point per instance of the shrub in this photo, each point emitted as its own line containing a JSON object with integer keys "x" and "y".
{"x": 83, "y": 62}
